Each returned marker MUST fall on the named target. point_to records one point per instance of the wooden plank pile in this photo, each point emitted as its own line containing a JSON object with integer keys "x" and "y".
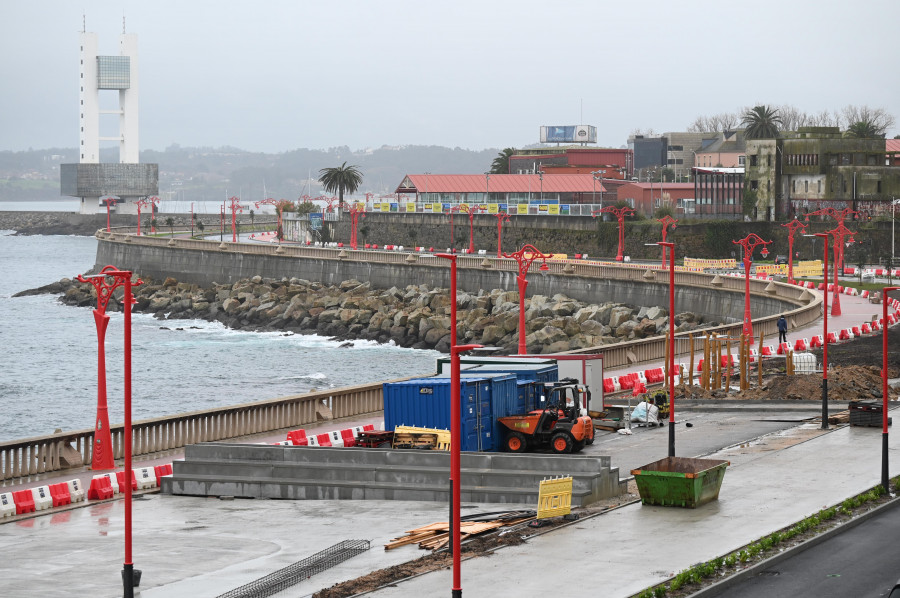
{"x": 437, "y": 535}
{"x": 841, "y": 417}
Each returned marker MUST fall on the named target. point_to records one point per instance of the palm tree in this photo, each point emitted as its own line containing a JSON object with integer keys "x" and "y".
{"x": 761, "y": 122}
{"x": 341, "y": 178}
{"x": 864, "y": 129}
{"x": 500, "y": 165}
{"x": 170, "y": 222}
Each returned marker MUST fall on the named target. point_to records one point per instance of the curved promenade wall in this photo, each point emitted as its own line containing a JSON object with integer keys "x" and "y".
{"x": 714, "y": 297}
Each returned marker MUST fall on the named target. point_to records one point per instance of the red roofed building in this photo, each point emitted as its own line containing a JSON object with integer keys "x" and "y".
{"x": 892, "y": 148}
{"x": 503, "y": 188}
{"x": 645, "y": 198}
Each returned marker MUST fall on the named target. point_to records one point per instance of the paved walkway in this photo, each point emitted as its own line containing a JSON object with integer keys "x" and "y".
{"x": 620, "y": 553}
{"x": 854, "y": 312}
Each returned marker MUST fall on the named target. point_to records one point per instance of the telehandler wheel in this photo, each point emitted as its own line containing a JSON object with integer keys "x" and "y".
{"x": 561, "y": 443}
{"x": 516, "y": 442}
{"x": 577, "y": 446}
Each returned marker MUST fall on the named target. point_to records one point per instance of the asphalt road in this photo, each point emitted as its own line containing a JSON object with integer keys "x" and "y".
{"x": 863, "y": 561}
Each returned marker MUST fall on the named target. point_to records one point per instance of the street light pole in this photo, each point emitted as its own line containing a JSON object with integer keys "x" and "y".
{"x": 793, "y": 226}
{"x": 541, "y": 176}
{"x": 885, "y": 481}
{"x": 455, "y": 432}
{"x": 524, "y": 262}
{"x": 894, "y": 203}
{"x": 749, "y": 243}
{"x": 501, "y": 218}
{"x": 824, "y": 237}
{"x": 671, "y": 368}
{"x": 620, "y": 214}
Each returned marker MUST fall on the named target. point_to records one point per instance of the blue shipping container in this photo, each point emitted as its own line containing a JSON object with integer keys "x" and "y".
{"x": 504, "y": 401}
{"x": 425, "y": 402}
{"x": 529, "y": 372}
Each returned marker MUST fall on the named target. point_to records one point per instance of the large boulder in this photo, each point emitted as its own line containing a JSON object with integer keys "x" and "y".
{"x": 619, "y": 315}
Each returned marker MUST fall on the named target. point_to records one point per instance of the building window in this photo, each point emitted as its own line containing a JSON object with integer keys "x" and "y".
{"x": 878, "y": 187}
{"x": 676, "y": 148}
{"x": 806, "y": 186}
{"x": 768, "y": 185}
{"x": 742, "y": 160}
{"x": 820, "y": 187}
{"x": 753, "y": 160}
{"x": 754, "y": 185}
{"x": 844, "y": 185}
{"x": 769, "y": 160}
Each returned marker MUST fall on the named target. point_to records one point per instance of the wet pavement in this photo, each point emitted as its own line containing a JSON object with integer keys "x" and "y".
{"x": 781, "y": 471}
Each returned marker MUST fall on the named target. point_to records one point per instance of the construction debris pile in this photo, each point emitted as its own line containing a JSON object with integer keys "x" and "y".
{"x": 437, "y": 535}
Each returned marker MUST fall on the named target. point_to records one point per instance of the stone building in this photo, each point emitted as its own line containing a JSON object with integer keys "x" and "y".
{"x": 817, "y": 167}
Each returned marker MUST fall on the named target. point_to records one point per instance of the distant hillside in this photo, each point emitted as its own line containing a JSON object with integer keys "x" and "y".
{"x": 211, "y": 173}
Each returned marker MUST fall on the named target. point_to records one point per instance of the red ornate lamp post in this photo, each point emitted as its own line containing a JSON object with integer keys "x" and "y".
{"x": 793, "y": 226}
{"x": 141, "y": 203}
{"x": 451, "y": 210}
{"x": 472, "y": 210}
{"x": 154, "y": 203}
{"x": 102, "y": 449}
{"x": 110, "y": 201}
{"x": 838, "y": 234}
{"x": 523, "y": 258}
{"x": 271, "y": 202}
{"x": 355, "y": 211}
{"x": 123, "y": 277}
{"x": 455, "y": 432}
{"x": 749, "y": 243}
{"x": 839, "y": 216}
{"x": 235, "y": 208}
{"x": 666, "y": 221}
{"x": 620, "y": 214}
{"x": 501, "y": 218}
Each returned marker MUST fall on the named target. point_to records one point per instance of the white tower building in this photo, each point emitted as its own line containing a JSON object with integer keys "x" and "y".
{"x": 90, "y": 179}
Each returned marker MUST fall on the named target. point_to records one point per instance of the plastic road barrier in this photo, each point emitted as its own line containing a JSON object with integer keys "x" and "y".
{"x": 145, "y": 478}
{"x": 368, "y": 427}
{"x": 7, "y": 505}
{"x": 283, "y": 443}
{"x": 800, "y": 344}
{"x": 120, "y": 478}
{"x": 101, "y": 488}
{"x": 680, "y": 481}
{"x": 60, "y": 494}
{"x": 348, "y": 437}
{"x": 298, "y": 437}
{"x": 312, "y": 441}
{"x": 323, "y": 439}
{"x": 42, "y": 498}
{"x": 336, "y": 439}
{"x": 24, "y": 500}
{"x": 162, "y": 471}
{"x": 76, "y": 490}
{"x": 783, "y": 348}
{"x": 866, "y": 328}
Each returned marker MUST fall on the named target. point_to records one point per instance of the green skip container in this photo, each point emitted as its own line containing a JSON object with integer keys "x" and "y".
{"x": 680, "y": 481}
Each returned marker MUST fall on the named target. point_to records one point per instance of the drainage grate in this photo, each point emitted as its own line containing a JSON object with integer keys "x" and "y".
{"x": 293, "y": 574}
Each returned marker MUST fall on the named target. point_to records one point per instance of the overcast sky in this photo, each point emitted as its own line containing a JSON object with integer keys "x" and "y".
{"x": 278, "y": 75}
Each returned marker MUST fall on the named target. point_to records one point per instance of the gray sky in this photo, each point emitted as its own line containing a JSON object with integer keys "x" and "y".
{"x": 278, "y": 75}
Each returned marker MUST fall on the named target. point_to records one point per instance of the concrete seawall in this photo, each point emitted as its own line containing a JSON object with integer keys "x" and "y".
{"x": 207, "y": 263}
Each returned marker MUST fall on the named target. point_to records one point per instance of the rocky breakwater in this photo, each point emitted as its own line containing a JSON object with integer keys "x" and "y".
{"x": 415, "y": 316}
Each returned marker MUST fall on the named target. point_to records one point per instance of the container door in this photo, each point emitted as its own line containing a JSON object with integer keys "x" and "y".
{"x": 469, "y": 419}
{"x": 485, "y": 418}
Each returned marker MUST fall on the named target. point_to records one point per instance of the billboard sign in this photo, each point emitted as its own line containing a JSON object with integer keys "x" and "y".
{"x": 569, "y": 134}
{"x": 315, "y": 221}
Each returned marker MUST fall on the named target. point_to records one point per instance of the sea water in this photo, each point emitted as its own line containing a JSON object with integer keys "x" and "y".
{"x": 48, "y": 367}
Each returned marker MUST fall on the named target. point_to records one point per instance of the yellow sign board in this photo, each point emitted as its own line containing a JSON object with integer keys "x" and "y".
{"x": 554, "y": 498}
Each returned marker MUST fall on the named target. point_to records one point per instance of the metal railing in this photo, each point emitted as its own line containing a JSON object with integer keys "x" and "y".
{"x": 44, "y": 454}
